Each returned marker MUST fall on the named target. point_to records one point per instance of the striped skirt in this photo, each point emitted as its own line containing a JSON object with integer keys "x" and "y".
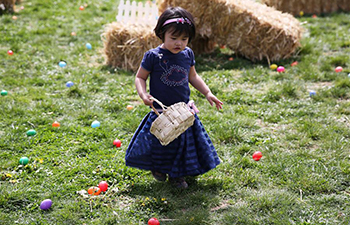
{"x": 191, "y": 154}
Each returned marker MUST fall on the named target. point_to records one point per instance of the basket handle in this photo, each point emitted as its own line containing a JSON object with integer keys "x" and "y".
{"x": 159, "y": 103}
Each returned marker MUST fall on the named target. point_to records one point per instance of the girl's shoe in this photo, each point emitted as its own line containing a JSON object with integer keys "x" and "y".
{"x": 178, "y": 182}
{"x": 159, "y": 176}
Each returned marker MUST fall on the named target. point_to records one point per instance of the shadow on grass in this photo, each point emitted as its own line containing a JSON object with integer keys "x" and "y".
{"x": 176, "y": 206}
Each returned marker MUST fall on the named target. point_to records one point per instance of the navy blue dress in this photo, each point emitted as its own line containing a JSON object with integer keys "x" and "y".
{"x": 192, "y": 153}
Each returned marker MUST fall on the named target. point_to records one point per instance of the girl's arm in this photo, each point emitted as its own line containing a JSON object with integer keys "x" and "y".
{"x": 198, "y": 83}
{"x": 140, "y": 83}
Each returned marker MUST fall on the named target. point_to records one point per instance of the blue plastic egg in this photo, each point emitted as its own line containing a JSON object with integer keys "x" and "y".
{"x": 88, "y": 46}
{"x": 69, "y": 84}
{"x": 312, "y": 93}
{"x": 62, "y": 64}
{"x": 95, "y": 124}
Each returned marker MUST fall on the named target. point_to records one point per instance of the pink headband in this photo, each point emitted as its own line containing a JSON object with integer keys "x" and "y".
{"x": 177, "y": 20}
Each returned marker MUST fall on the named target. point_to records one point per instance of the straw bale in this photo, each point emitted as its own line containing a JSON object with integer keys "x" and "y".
{"x": 125, "y": 44}
{"x": 309, "y": 6}
{"x": 344, "y": 5}
{"x": 7, "y": 6}
{"x": 202, "y": 45}
{"x": 251, "y": 29}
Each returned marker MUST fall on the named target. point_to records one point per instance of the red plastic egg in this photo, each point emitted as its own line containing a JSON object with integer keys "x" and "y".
{"x": 153, "y": 221}
{"x": 117, "y": 143}
{"x": 338, "y": 69}
{"x": 257, "y": 156}
{"x": 294, "y": 63}
{"x": 10, "y": 52}
{"x": 103, "y": 185}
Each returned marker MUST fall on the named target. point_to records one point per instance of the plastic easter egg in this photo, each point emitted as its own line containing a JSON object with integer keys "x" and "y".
{"x": 280, "y": 69}
{"x": 349, "y": 75}
{"x": 31, "y": 132}
{"x": 56, "y": 124}
{"x": 153, "y": 221}
{"x": 103, "y": 185}
{"x": 10, "y": 52}
{"x": 312, "y": 93}
{"x": 294, "y": 63}
{"x": 46, "y": 204}
{"x": 81, "y": 8}
{"x": 129, "y": 107}
{"x": 23, "y": 161}
{"x": 62, "y": 64}
{"x": 257, "y": 155}
{"x": 95, "y": 124}
{"x": 69, "y": 84}
{"x": 117, "y": 143}
{"x": 301, "y": 13}
{"x": 14, "y": 17}
{"x": 273, "y": 66}
{"x": 73, "y": 33}
{"x": 338, "y": 69}
{"x": 88, "y": 46}
{"x": 94, "y": 191}
{"x": 3, "y": 93}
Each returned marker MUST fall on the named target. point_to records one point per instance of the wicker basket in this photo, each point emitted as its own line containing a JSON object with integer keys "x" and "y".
{"x": 174, "y": 120}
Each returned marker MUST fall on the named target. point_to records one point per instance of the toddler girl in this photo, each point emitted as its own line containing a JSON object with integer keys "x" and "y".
{"x": 171, "y": 67}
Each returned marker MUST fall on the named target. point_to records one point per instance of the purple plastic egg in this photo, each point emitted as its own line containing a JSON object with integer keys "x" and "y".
{"x": 46, "y": 204}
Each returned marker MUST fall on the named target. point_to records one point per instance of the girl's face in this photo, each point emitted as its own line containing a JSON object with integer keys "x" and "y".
{"x": 175, "y": 43}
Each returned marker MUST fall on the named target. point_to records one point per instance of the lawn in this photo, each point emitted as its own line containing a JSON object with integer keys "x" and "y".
{"x": 303, "y": 176}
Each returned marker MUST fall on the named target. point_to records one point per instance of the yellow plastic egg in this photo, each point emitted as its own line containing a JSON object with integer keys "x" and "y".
{"x": 273, "y": 66}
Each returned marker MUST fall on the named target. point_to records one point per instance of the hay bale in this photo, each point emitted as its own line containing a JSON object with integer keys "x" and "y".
{"x": 309, "y": 6}
{"x": 7, "y": 6}
{"x": 249, "y": 28}
{"x": 344, "y": 5}
{"x": 125, "y": 44}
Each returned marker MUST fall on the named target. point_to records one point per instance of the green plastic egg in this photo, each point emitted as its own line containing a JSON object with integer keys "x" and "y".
{"x": 23, "y": 161}
{"x": 3, "y": 93}
{"x": 31, "y": 132}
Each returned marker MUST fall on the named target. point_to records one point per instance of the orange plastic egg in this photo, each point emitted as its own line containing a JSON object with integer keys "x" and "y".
{"x": 94, "y": 191}
{"x": 56, "y": 124}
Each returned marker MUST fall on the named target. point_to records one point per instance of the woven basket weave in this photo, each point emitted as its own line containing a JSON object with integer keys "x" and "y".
{"x": 174, "y": 120}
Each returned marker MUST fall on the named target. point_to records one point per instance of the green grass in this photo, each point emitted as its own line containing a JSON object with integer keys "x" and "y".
{"x": 302, "y": 178}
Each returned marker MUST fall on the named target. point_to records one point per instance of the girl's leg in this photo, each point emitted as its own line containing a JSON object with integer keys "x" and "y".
{"x": 178, "y": 182}
{"x": 159, "y": 176}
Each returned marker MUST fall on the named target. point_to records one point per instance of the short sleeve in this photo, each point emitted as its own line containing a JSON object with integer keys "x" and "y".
{"x": 147, "y": 61}
{"x": 191, "y": 54}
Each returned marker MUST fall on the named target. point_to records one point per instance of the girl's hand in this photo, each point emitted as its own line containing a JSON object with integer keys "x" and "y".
{"x": 213, "y": 99}
{"x": 146, "y": 98}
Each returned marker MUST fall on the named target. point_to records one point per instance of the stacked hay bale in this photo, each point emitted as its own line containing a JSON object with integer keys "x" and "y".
{"x": 251, "y": 29}
{"x": 7, "y": 6}
{"x": 125, "y": 44}
{"x": 309, "y": 6}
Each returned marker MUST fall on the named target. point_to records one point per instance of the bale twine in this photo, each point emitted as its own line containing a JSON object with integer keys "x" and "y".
{"x": 251, "y": 29}
{"x": 295, "y": 7}
{"x": 7, "y": 6}
{"x": 125, "y": 44}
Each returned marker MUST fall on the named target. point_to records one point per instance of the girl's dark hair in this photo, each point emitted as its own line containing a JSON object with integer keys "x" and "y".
{"x": 175, "y": 28}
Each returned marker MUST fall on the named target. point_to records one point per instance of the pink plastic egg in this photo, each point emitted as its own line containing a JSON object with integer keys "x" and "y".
{"x": 280, "y": 69}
